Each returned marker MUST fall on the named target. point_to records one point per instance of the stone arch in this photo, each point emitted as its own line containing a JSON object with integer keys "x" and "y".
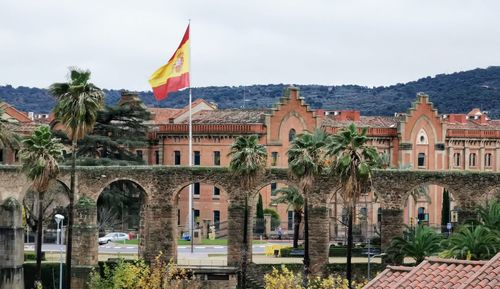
{"x": 106, "y": 184}
{"x": 451, "y": 190}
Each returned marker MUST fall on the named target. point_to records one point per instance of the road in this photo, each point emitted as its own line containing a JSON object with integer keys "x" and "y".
{"x": 115, "y": 248}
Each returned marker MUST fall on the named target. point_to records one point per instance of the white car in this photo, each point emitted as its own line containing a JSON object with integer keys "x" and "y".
{"x": 113, "y": 237}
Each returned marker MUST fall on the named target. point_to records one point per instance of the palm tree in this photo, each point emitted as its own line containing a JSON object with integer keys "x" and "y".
{"x": 248, "y": 160}
{"x": 490, "y": 215}
{"x": 353, "y": 161}
{"x": 472, "y": 242}
{"x": 7, "y": 137}
{"x": 40, "y": 154}
{"x": 306, "y": 161}
{"x": 417, "y": 243}
{"x": 78, "y": 104}
{"x": 295, "y": 201}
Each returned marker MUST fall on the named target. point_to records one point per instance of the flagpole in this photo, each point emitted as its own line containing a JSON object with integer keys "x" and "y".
{"x": 191, "y": 209}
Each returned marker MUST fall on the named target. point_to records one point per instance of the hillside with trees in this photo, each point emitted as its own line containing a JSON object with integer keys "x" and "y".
{"x": 451, "y": 93}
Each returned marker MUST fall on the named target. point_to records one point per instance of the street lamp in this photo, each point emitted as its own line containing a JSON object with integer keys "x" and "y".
{"x": 59, "y": 220}
{"x": 369, "y": 259}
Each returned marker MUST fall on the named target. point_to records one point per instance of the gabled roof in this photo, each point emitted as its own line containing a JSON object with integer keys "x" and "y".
{"x": 441, "y": 273}
{"x": 364, "y": 121}
{"x": 14, "y": 114}
{"x": 163, "y": 115}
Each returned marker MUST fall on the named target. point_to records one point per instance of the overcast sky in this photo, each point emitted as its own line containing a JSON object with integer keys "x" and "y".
{"x": 247, "y": 42}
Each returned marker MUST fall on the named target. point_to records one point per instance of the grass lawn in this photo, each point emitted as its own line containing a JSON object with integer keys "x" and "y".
{"x": 216, "y": 242}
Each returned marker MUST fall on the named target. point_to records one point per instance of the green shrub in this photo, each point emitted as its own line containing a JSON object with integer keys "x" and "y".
{"x": 31, "y": 256}
{"x": 50, "y": 275}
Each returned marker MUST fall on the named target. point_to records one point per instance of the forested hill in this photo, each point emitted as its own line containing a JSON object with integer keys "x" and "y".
{"x": 451, "y": 93}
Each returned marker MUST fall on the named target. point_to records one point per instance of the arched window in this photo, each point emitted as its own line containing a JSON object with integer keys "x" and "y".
{"x": 487, "y": 160}
{"x": 422, "y": 137}
{"x": 421, "y": 159}
{"x": 291, "y": 134}
{"x": 472, "y": 160}
{"x": 379, "y": 215}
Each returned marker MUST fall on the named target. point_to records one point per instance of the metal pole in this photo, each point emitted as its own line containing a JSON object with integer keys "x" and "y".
{"x": 59, "y": 237}
{"x": 369, "y": 259}
{"x": 191, "y": 209}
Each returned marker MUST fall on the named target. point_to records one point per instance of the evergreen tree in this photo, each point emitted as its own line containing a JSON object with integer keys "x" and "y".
{"x": 260, "y": 216}
{"x": 445, "y": 210}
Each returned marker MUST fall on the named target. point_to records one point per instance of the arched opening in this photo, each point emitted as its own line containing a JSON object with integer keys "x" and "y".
{"x": 431, "y": 205}
{"x": 55, "y": 201}
{"x": 120, "y": 209}
{"x": 291, "y": 134}
{"x": 210, "y": 223}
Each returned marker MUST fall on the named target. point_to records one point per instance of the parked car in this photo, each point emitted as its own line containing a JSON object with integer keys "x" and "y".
{"x": 113, "y": 237}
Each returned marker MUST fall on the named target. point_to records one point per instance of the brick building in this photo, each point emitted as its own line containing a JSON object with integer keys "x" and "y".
{"x": 419, "y": 139}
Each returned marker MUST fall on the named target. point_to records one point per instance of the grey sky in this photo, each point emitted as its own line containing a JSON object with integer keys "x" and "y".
{"x": 247, "y": 42}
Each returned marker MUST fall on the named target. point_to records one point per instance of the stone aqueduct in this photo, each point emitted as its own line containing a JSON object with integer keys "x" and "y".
{"x": 161, "y": 184}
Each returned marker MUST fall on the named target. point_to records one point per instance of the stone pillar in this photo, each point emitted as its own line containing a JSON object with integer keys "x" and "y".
{"x": 236, "y": 217}
{"x": 392, "y": 225}
{"x": 497, "y": 157}
{"x": 450, "y": 157}
{"x": 466, "y": 156}
{"x": 161, "y": 232}
{"x": 267, "y": 225}
{"x": 11, "y": 245}
{"x": 318, "y": 238}
{"x": 481, "y": 157}
{"x": 85, "y": 242}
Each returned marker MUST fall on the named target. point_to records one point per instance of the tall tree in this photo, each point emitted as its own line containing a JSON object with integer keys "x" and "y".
{"x": 8, "y": 139}
{"x": 248, "y": 160}
{"x": 40, "y": 154}
{"x": 295, "y": 201}
{"x": 445, "y": 210}
{"x": 259, "y": 215}
{"x": 306, "y": 161}
{"x": 78, "y": 102}
{"x": 352, "y": 164}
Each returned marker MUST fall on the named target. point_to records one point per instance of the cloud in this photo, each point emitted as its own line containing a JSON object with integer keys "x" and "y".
{"x": 247, "y": 42}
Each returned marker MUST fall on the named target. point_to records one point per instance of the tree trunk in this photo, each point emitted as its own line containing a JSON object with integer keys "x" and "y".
{"x": 244, "y": 262}
{"x": 296, "y": 228}
{"x": 307, "y": 260}
{"x": 39, "y": 240}
{"x": 349, "y": 248}
{"x": 69, "y": 242}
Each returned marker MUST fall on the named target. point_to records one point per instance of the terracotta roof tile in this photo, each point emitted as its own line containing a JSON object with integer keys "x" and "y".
{"x": 365, "y": 121}
{"x": 470, "y": 124}
{"x": 235, "y": 116}
{"x": 442, "y": 273}
{"x": 162, "y": 115}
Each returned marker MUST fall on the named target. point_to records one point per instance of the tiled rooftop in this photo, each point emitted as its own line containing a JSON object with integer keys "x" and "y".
{"x": 470, "y": 124}
{"x": 162, "y": 115}
{"x": 233, "y": 116}
{"x": 365, "y": 121}
{"x": 441, "y": 273}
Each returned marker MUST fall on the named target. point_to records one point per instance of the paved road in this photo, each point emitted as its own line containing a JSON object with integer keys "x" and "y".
{"x": 114, "y": 248}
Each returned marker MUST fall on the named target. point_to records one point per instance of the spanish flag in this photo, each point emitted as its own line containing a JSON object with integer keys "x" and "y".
{"x": 174, "y": 75}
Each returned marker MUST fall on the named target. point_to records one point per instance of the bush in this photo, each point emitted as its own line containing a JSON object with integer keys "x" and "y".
{"x": 31, "y": 256}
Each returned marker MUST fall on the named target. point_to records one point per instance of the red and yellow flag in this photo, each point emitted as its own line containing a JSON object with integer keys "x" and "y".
{"x": 174, "y": 75}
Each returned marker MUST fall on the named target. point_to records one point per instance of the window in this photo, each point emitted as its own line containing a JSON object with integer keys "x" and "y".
{"x": 178, "y": 217}
{"x": 216, "y": 192}
{"x": 196, "y": 190}
{"x": 291, "y": 135}
{"x": 379, "y": 215}
{"x": 177, "y": 158}
{"x": 274, "y": 186}
{"x": 422, "y": 216}
{"x": 274, "y": 158}
{"x": 196, "y": 158}
{"x": 472, "y": 160}
{"x": 344, "y": 216}
{"x": 487, "y": 160}
{"x": 139, "y": 154}
{"x": 363, "y": 213}
{"x": 216, "y": 158}
{"x": 290, "y": 220}
{"x": 421, "y": 159}
{"x": 196, "y": 217}
{"x": 16, "y": 156}
{"x": 1, "y": 155}
{"x": 456, "y": 159}
{"x": 217, "y": 220}
{"x": 157, "y": 157}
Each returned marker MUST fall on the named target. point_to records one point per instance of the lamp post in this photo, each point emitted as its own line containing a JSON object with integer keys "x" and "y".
{"x": 369, "y": 260}
{"x": 59, "y": 220}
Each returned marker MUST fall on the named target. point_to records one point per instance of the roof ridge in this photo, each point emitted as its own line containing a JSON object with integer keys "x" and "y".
{"x": 411, "y": 272}
{"x": 400, "y": 268}
{"x": 456, "y": 261}
{"x": 480, "y": 271}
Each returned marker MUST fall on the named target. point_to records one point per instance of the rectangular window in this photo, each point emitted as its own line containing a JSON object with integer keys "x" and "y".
{"x": 421, "y": 159}
{"x": 177, "y": 158}
{"x": 290, "y": 220}
{"x": 216, "y": 192}
{"x": 178, "y": 217}
{"x": 1, "y": 155}
{"x": 196, "y": 190}
{"x": 274, "y": 159}
{"x": 196, "y": 217}
{"x": 157, "y": 157}
{"x": 456, "y": 159}
{"x": 217, "y": 220}
{"x": 139, "y": 154}
{"x": 216, "y": 158}
{"x": 274, "y": 186}
{"x": 196, "y": 161}
{"x": 472, "y": 160}
{"x": 487, "y": 160}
